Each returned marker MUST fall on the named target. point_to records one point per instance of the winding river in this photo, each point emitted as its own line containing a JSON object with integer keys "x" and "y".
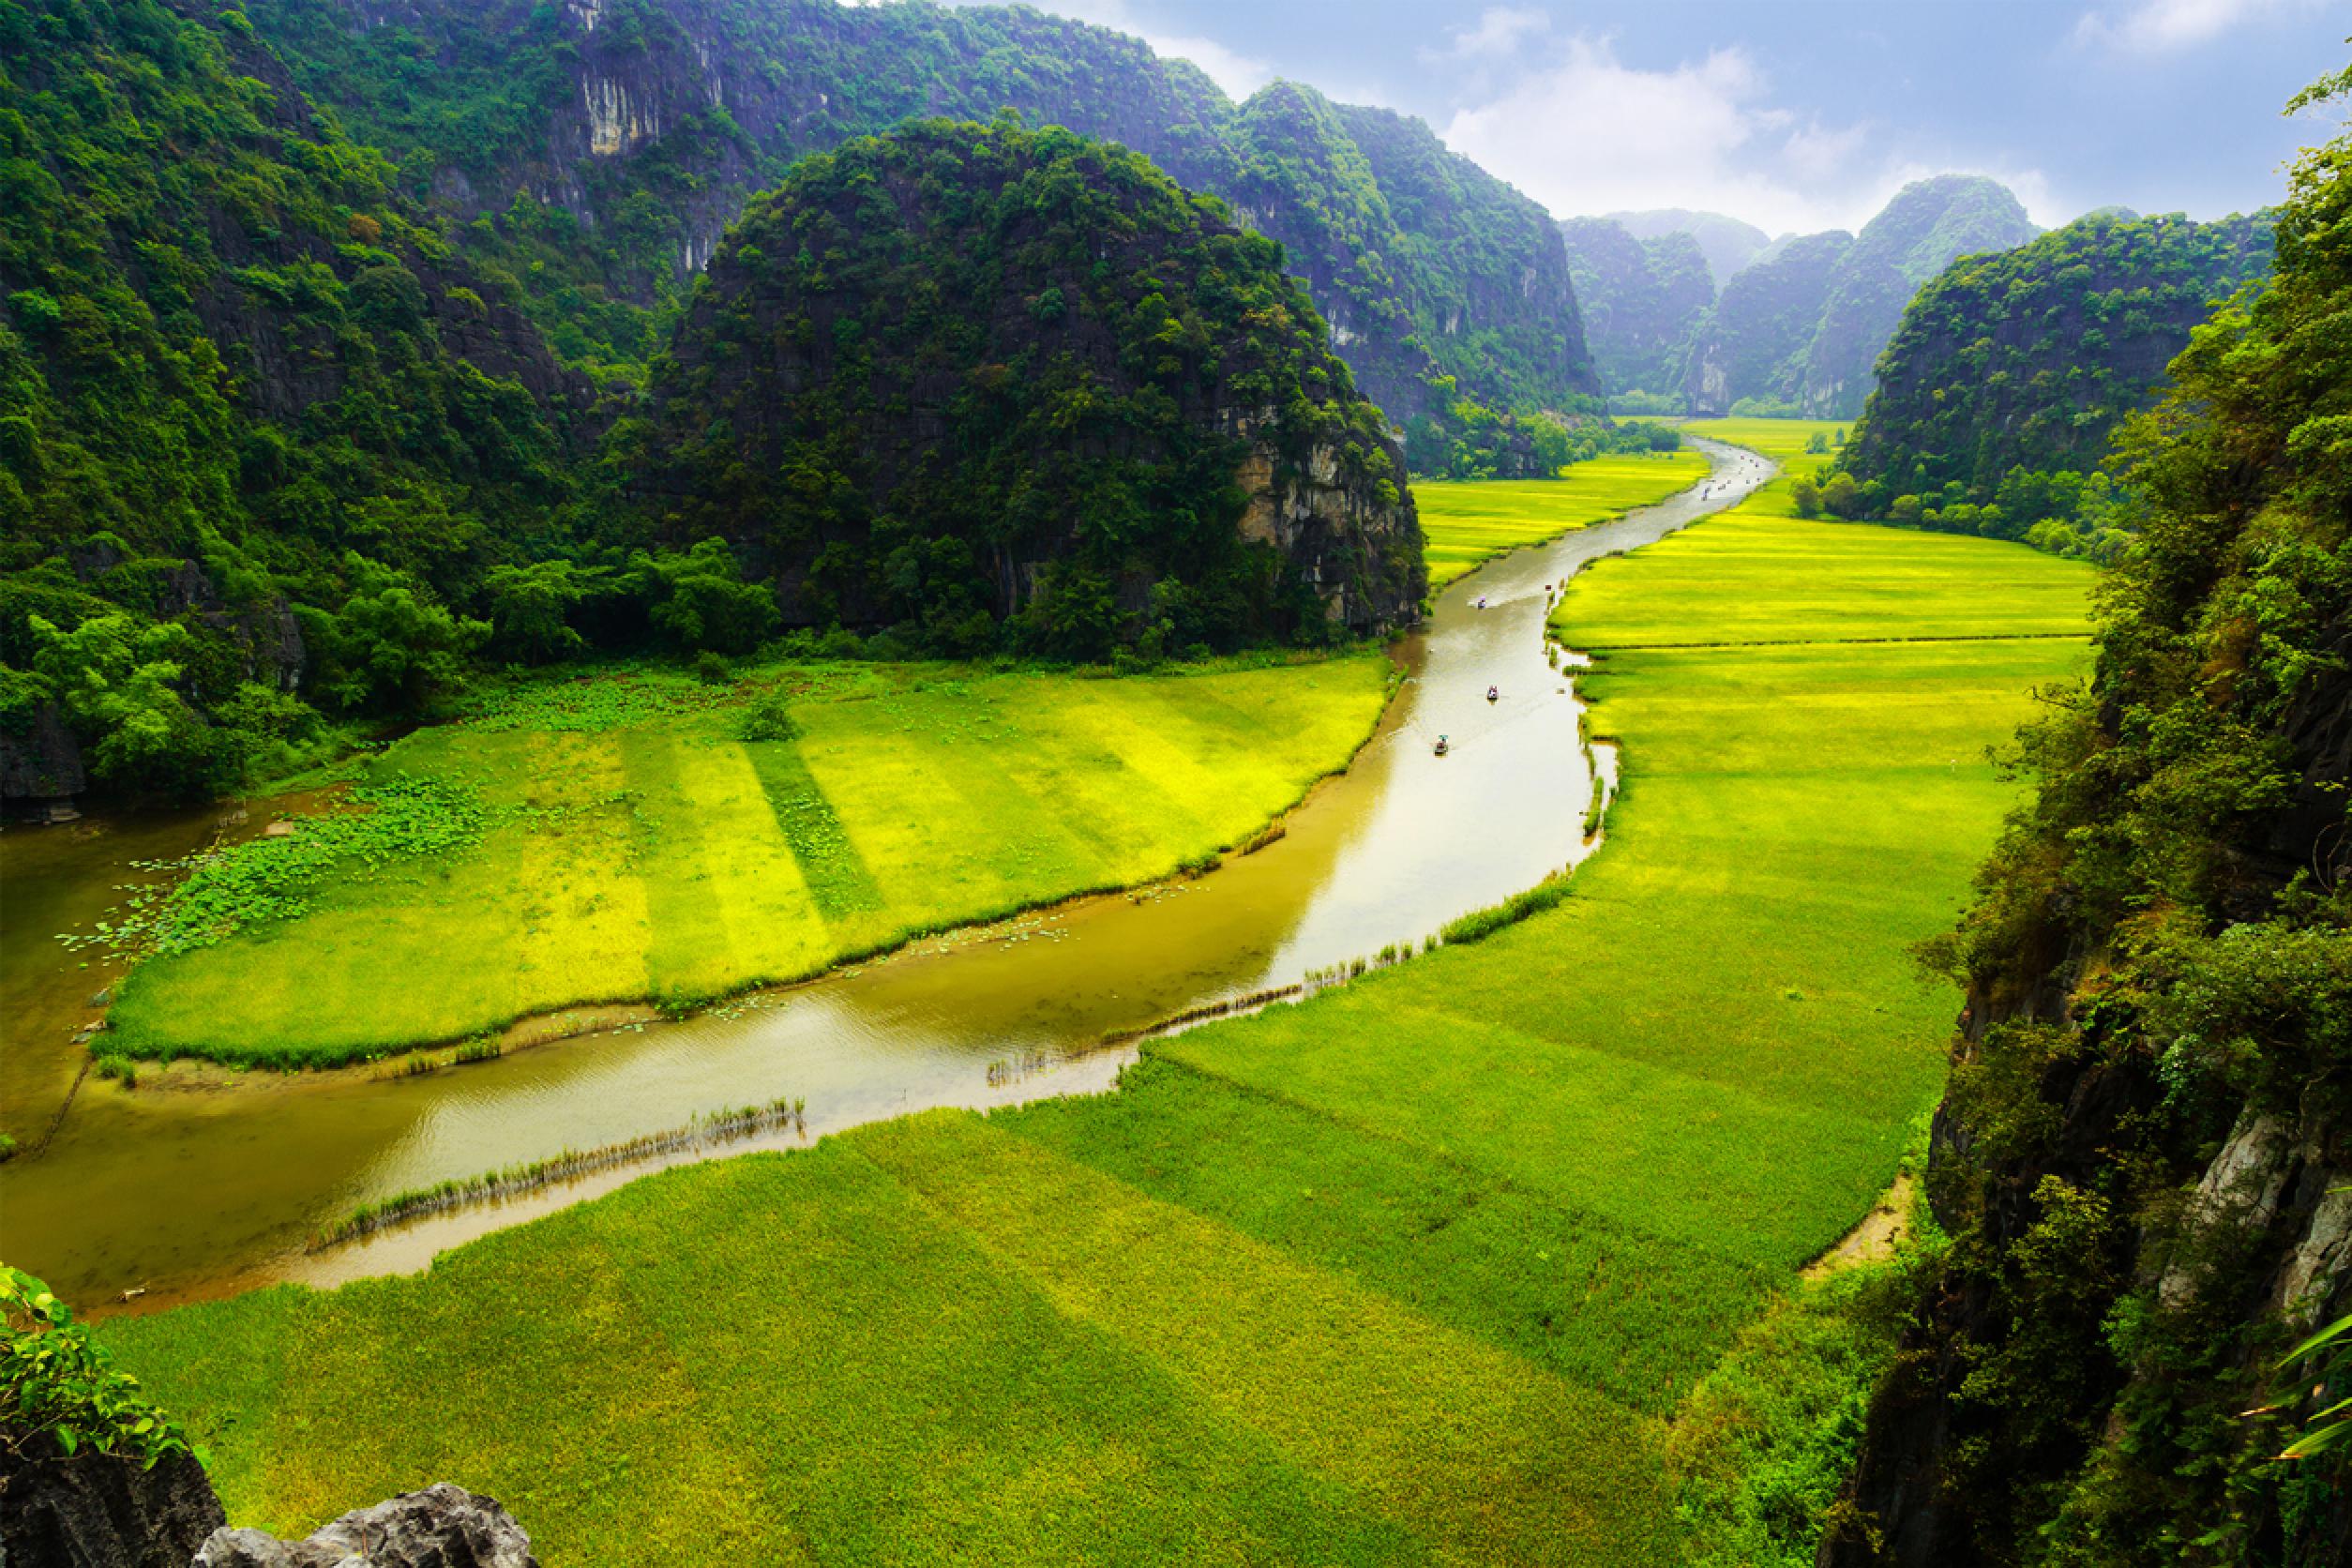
{"x": 207, "y": 1188}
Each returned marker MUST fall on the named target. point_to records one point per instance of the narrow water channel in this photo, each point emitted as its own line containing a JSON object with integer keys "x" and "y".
{"x": 184, "y": 1192}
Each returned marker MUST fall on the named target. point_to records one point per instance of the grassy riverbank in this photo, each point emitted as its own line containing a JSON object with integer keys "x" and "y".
{"x": 1416, "y": 1270}
{"x": 1466, "y": 521}
{"x": 614, "y": 839}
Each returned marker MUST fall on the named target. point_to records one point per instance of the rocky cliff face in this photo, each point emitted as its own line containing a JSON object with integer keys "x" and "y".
{"x": 441, "y": 1526}
{"x": 1752, "y": 343}
{"x": 1640, "y": 299}
{"x": 94, "y": 1510}
{"x": 1727, "y": 243}
{"x": 964, "y": 371}
{"x": 1928, "y": 225}
{"x": 2144, "y": 1156}
{"x": 651, "y": 126}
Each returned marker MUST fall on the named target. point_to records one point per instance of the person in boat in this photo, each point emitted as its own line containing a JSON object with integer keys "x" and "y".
{"x": 1441, "y": 746}
{"x": 1492, "y": 693}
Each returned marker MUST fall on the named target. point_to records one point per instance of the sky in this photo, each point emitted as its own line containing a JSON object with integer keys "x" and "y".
{"x": 1799, "y": 115}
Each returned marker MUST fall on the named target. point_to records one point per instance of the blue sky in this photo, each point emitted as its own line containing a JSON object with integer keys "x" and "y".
{"x": 1803, "y": 114}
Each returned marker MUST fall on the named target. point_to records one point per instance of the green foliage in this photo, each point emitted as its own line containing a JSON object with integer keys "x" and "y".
{"x": 224, "y": 383}
{"x": 769, "y": 717}
{"x": 58, "y": 1388}
{"x": 390, "y": 648}
{"x": 785, "y": 415}
{"x": 1639, "y": 300}
{"x": 1473, "y": 442}
{"x": 114, "y": 678}
{"x": 1481, "y": 924}
{"x": 697, "y": 601}
{"x": 1424, "y": 254}
{"x": 2022, "y": 363}
{"x": 2178, "y": 877}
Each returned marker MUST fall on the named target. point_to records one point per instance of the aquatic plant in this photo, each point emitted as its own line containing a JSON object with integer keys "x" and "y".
{"x": 1481, "y": 924}
{"x": 719, "y": 1127}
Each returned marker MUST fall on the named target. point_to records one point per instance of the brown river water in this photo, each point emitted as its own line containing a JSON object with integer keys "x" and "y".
{"x": 209, "y": 1184}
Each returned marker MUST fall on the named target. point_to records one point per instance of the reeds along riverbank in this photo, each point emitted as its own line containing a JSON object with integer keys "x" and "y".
{"x": 721, "y": 1127}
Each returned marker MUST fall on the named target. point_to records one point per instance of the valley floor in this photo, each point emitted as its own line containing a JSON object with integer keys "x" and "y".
{"x": 621, "y": 842}
{"x": 1469, "y": 521}
{"x": 1419, "y": 1270}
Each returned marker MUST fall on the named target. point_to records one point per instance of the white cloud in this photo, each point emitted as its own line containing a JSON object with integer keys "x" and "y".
{"x": 2161, "y": 26}
{"x": 1582, "y": 131}
{"x": 1239, "y": 74}
{"x": 1497, "y": 33}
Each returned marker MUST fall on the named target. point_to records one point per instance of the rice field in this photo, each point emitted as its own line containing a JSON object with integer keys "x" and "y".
{"x": 633, "y": 847}
{"x": 1429, "y": 1268}
{"x": 1467, "y": 522}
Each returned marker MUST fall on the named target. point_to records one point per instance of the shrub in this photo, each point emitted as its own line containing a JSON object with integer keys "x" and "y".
{"x": 769, "y": 718}
{"x": 56, "y": 1384}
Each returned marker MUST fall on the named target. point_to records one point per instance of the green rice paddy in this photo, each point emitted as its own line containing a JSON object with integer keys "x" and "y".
{"x": 1420, "y": 1270}
{"x": 1466, "y": 521}
{"x": 625, "y": 845}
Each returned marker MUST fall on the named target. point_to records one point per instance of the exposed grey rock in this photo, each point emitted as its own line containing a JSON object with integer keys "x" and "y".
{"x": 441, "y": 1526}
{"x": 41, "y": 762}
{"x": 94, "y": 1510}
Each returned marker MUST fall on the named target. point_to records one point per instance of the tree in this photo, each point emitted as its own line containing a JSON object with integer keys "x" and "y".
{"x": 1842, "y": 496}
{"x": 1806, "y": 496}
{"x": 114, "y": 681}
{"x": 698, "y": 600}
{"x": 392, "y": 645}
{"x": 530, "y": 607}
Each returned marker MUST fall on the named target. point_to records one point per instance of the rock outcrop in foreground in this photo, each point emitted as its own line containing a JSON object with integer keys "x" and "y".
{"x": 441, "y": 1526}
{"x": 963, "y": 376}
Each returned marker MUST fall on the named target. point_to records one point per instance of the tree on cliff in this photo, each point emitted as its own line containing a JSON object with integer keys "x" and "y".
{"x": 2148, "y": 1140}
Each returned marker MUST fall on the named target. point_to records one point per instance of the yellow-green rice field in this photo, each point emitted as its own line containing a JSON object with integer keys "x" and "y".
{"x": 1442, "y": 1266}
{"x": 632, "y": 847}
{"x": 1466, "y": 521}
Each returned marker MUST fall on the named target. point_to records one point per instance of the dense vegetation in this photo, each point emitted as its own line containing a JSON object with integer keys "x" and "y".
{"x": 1998, "y": 397}
{"x": 1798, "y": 329}
{"x": 1640, "y": 300}
{"x": 2147, "y": 1147}
{"x": 236, "y": 372}
{"x": 1920, "y": 231}
{"x": 1726, "y": 243}
{"x": 596, "y": 153}
{"x": 963, "y": 375}
{"x": 284, "y": 443}
{"x": 1417, "y": 1270}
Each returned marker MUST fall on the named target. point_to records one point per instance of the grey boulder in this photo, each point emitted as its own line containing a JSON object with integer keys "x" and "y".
{"x": 441, "y": 1526}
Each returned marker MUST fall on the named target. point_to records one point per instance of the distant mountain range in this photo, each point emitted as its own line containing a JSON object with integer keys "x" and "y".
{"x": 1794, "y": 323}
{"x": 633, "y": 134}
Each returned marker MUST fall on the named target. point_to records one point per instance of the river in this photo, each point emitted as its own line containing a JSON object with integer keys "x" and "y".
{"x": 200, "y": 1189}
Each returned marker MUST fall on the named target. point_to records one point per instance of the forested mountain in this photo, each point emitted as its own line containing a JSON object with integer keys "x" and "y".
{"x": 1727, "y": 243}
{"x": 2143, "y": 1159}
{"x": 280, "y": 436}
{"x": 1852, "y": 290}
{"x": 1752, "y": 343}
{"x": 1640, "y": 299}
{"x": 596, "y": 149}
{"x": 2010, "y": 371}
{"x": 231, "y": 356}
{"x": 959, "y": 374}
{"x": 1922, "y": 230}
